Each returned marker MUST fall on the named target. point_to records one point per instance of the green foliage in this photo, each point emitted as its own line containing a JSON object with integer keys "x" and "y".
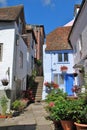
{"x": 3, "y": 103}
{"x": 38, "y": 62}
{"x": 62, "y": 108}
{"x": 55, "y": 95}
{"x": 18, "y": 105}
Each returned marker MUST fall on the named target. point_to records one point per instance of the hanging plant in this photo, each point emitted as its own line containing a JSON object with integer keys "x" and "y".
{"x": 4, "y": 82}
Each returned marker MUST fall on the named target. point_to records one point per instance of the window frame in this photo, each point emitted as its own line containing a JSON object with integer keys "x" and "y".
{"x": 63, "y": 57}
{"x": 1, "y": 51}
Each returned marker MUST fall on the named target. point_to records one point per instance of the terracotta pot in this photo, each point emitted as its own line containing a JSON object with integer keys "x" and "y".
{"x": 81, "y": 126}
{"x": 67, "y": 124}
{"x": 57, "y": 123}
{"x": 3, "y": 116}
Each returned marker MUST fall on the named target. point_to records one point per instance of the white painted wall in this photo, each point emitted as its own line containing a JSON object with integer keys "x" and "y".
{"x": 11, "y": 53}
{"x": 7, "y": 38}
{"x": 80, "y": 29}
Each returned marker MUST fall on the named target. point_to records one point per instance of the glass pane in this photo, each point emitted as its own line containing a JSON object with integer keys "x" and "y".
{"x": 61, "y": 79}
{"x": 56, "y": 78}
{"x": 60, "y": 57}
{"x": 65, "y": 57}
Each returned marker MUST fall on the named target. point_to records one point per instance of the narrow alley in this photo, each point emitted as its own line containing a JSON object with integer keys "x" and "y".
{"x": 33, "y": 118}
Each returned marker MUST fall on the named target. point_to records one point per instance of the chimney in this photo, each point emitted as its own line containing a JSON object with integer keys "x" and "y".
{"x": 76, "y": 10}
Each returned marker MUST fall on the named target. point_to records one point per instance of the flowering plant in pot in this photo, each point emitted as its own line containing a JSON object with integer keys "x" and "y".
{"x": 51, "y": 85}
{"x": 63, "y": 68}
{"x": 81, "y": 113}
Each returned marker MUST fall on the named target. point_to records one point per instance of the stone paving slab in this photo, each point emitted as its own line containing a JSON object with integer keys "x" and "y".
{"x": 44, "y": 127}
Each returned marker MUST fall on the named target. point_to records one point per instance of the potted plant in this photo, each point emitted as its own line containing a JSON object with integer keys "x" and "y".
{"x": 60, "y": 108}
{"x": 81, "y": 116}
{"x": 51, "y": 85}
{"x": 5, "y": 82}
{"x": 64, "y": 109}
{"x": 63, "y": 68}
{"x": 18, "y": 106}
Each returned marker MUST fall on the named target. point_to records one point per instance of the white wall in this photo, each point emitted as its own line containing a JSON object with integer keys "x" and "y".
{"x": 80, "y": 29}
{"x": 7, "y": 38}
{"x": 11, "y": 53}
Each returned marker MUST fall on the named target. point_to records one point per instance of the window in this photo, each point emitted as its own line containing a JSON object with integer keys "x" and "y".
{"x": 60, "y": 57}
{"x": 1, "y": 49}
{"x": 61, "y": 79}
{"x": 80, "y": 43}
{"x": 21, "y": 60}
{"x": 56, "y": 78}
{"x": 63, "y": 57}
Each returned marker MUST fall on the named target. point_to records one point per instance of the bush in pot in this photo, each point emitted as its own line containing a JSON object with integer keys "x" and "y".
{"x": 81, "y": 116}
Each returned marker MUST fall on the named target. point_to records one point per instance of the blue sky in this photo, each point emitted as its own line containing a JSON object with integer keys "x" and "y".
{"x": 50, "y": 13}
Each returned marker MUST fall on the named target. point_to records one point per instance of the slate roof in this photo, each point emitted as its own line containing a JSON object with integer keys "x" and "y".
{"x": 10, "y": 13}
{"x": 58, "y": 39}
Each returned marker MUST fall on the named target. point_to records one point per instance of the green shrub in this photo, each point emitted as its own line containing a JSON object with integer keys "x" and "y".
{"x": 55, "y": 94}
{"x": 3, "y": 103}
{"x": 18, "y": 105}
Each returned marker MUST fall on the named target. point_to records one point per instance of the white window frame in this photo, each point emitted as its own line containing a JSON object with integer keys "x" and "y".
{"x": 1, "y": 51}
{"x": 63, "y": 59}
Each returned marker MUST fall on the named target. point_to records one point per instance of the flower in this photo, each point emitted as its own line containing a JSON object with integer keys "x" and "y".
{"x": 51, "y": 104}
{"x": 51, "y": 84}
{"x": 75, "y": 88}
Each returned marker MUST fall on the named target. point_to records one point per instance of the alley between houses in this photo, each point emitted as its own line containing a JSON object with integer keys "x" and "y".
{"x": 33, "y": 118}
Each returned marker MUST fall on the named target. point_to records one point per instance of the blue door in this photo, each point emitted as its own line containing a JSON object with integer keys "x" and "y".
{"x": 69, "y": 79}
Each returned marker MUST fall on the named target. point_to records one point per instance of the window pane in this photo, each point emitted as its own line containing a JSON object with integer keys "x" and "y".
{"x": 65, "y": 57}
{"x": 56, "y": 78}
{"x": 61, "y": 79}
{"x": 60, "y": 57}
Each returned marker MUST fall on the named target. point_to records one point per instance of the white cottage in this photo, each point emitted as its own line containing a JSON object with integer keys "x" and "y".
{"x": 58, "y": 53}
{"x": 13, "y": 51}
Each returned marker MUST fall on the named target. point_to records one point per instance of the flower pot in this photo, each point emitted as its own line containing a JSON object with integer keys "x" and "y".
{"x": 57, "y": 124}
{"x": 81, "y": 126}
{"x": 67, "y": 124}
{"x": 3, "y": 116}
{"x": 5, "y": 83}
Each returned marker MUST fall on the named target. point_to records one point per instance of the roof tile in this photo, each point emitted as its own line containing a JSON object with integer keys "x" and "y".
{"x": 58, "y": 39}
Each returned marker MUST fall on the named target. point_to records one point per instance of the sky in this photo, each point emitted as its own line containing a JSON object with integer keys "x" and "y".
{"x": 50, "y": 13}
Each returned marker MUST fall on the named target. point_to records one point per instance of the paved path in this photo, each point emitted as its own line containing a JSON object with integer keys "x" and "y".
{"x": 33, "y": 118}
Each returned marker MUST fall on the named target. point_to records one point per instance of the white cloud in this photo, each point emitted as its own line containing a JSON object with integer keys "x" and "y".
{"x": 3, "y": 2}
{"x": 46, "y": 2}
{"x": 50, "y": 3}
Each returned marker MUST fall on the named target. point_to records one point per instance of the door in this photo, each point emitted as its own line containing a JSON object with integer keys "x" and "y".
{"x": 69, "y": 79}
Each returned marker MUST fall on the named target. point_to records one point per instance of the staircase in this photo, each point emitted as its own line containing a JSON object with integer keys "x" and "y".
{"x": 37, "y": 90}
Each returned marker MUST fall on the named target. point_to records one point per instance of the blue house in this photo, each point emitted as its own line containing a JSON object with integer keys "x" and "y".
{"x": 57, "y": 56}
